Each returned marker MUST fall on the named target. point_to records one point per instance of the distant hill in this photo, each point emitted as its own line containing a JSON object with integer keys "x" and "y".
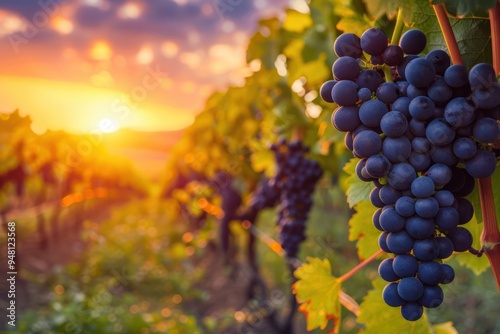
{"x": 149, "y": 151}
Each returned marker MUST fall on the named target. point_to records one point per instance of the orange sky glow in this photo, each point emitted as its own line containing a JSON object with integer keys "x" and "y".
{"x": 145, "y": 65}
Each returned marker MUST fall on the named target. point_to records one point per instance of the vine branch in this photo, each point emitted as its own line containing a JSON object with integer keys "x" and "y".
{"x": 490, "y": 236}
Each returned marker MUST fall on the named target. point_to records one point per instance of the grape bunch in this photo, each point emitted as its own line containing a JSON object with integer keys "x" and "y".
{"x": 422, "y": 129}
{"x": 296, "y": 178}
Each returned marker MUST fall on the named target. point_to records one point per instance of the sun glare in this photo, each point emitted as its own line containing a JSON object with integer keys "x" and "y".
{"x": 107, "y": 125}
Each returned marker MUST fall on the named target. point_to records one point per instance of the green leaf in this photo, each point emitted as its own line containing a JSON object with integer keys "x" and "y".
{"x": 362, "y": 230}
{"x": 296, "y": 21}
{"x": 318, "y": 292}
{"x": 472, "y": 34}
{"x": 378, "y": 317}
{"x": 461, "y": 8}
{"x": 445, "y": 328}
{"x": 262, "y": 160}
{"x": 356, "y": 190}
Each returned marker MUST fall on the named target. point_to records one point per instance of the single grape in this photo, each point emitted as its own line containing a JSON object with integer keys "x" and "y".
{"x": 465, "y": 210}
{"x": 391, "y": 221}
{"x": 461, "y": 239}
{"x": 464, "y": 148}
{"x": 440, "y": 92}
{"x": 375, "y": 199}
{"x": 487, "y": 97}
{"x": 402, "y": 104}
{"x": 346, "y": 118}
{"x": 486, "y": 130}
{"x": 440, "y": 59}
{"x": 401, "y": 176}
{"x": 389, "y": 195}
{"x": 426, "y": 249}
{"x": 345, "y": 93}
{"x": 430, "y": 272}
{"x": 371, "y": 112}
{"x": 445, "y": 247}
{"x": 449, "y": 274}
{"x": 422, "y": 187}
{"x": 387, "y": 92}
{"x": 444, "y": 155}
{"x": 419, "y": 228}
{"x": 391, "y": 296}
{"x": 482, "y": 75}
{"x": 456, "y": 76}
{"x": 370, "y": 79}
{"x": 386, "y": 272}
{"x": 413, "y": 92}
{"x": 377, "y": 166}
{"x": 447, "y": 218}
{"x": 439, "y": 132}
{"x": 419, "y": 161}
{"x": 420, "y": 145}
{"x": 364, "y": 94}
{"x": 394, "y": 124}
{"x": 382, "y": 242}
{"x": 393, "y": 55}
{"x": 445, "y": 198}
{"x": 459, "y": 112}
{"x": 399, "y": 242}
{"x": 413, "y": 42}
{"x": 482, "y": 164}
{"x": 374, "y": 41}
{"x": 410, "y": 289}
{"x": 367, "y": 143}
{"x": 405, "y": 265}
{"x": 420, "y": 72}
{"x": 412, "y": 311}
{"x": 405, "y": 206}
{"x": 346, "y": 68}
{"x": 396, "y": 149}
{"x": 432, "y": 297}
{"x": 326, "y": 91}
{"x": 348, "y": 44}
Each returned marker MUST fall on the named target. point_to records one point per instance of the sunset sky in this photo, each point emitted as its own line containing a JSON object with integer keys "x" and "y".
{"x": 84, "y": 65}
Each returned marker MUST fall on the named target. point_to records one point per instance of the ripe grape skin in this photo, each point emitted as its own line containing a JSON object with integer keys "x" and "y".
{"x": 432, "y": 297}
{"x": 420, "y": 145}
{"x": 412, "y": 311}
{"x": 405, "y": 265}
{"x": 387, "y": 92}
{"x": 422, "y": 187}
{"x": 444, "y": 155}
{"x": 456, "y": 76}
{"x": 482, "y": 165}
{"x": 486, "y": 130}
{"x": 401, "y": 176}
{"x": 374, "y": 41}
{"x": 402, "y": 87}
{"x": 399, "y": 242}
{"x": 386, "y": 272}
{"x": 394, "y": 124}
{"x": 413, "y": 92}
{"x": 419, "y": 228}
{"x": 367, "y": 143}
{"x": 391, "y": 296}
{"x": 402, "y": 105}
{"x": 371, "y": 112}
{"x": 393, "y": 55}
{"x": 426, "y": 249}
{"x": 439, "y": 132}
{"x": 420, "y": 72}
{"x": 345, "y": 93}
{"x": 440, "y": 59}
{"x": 445, "y": 247}
{"x": 405, "y": 206}
{"x": 377, "y": 166}
{"x": 391, "y": 221}
{"x": 427, "y": 207}
{"x": 449, "y": 274}
{"x": 430, "y": 272}
{"x": 461, "y": 238}
{"x": 376, "y": 218}
{"x": 382, "y": 242}
{"x": 482, "y": 75}
{"x": 459, "y": 112}
{"x": 401, "y": 68}
{"x": 346, "y": 68}
{"x": 348, "y": 44}
{"x": 487, "y": 97}
{"x": 389, "y": 195}
{"x": 419, "y": 161}
{"x": 326, "y": 90}
{"x": 364, "y": 94}
{"x": 413, "y": 42}
{"x": 464, "y": 148}
{"x": 440, "y": 92}
{"x": 410, "y": 289}
{"x": 447, "y": 218}
{"x": 346, "y": 118}
{"x": 370, "y": 79}
{"x": 445, "y": 198}
{"x": 396, "y": 149}
{"x": 465, "y": 210}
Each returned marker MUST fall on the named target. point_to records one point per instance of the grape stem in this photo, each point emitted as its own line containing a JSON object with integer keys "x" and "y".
{"x": 360, "y": 265}
{"x": 490, "y": 236}
{"x": 398, "y": 29}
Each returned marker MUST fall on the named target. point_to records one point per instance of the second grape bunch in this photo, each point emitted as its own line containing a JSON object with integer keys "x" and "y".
{"x": 422, "y": 129}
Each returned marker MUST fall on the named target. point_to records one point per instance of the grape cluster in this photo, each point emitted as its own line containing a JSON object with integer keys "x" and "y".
{"x": 421, "y": 128}
{"x": 296, "y": 178}
{"x": 267, "y": 195}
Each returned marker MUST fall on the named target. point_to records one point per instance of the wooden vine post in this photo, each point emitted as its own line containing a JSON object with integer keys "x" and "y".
{"x": 490, "y": 236}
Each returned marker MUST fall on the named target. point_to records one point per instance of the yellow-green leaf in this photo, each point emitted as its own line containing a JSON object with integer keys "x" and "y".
{"x": 318, "y": 292}
{"x": 262, "y": 160}
{"x": 445, "y": 328}
{"x": 361, "y": 229}
{"x": 296, "y": 21}
{"x": 356, "y": 190}
{"x": 378, "y": 317}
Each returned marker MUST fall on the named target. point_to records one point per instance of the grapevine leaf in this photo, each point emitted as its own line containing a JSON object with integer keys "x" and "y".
{"x": 379, "y": 8}
{"x": 472, "y": 34}
{"x": 445, "y": 328}
{"x": 356, "y": 190}
{"x": 362, "y": 230}
{"x": 378, "y": 317}
{"x": 262, "y": 160}
{"x": 461, "y": 8}
{"x": 318, "y": 292}
{"x": 296, "y": 21}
